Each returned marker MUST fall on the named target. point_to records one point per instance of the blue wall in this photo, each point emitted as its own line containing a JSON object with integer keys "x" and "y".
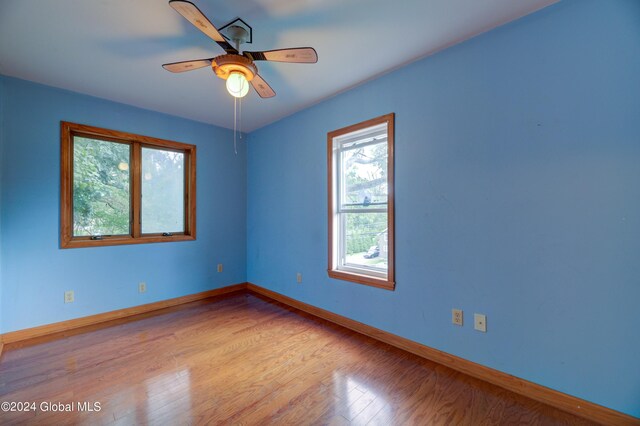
{"x": 517, "y": 196}
{"x": 36, "y": 272}
{"x": 1, "y": 173}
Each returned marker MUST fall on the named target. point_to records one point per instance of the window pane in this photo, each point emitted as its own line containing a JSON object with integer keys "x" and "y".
{"x": 364, "y": 177}
{"x": 162, "y": 191}
{"x": 366, "y": 240}
{"x": 100, "y": 187}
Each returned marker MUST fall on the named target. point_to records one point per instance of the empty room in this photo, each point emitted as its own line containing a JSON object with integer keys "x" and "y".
{"x": 307, "y": 212}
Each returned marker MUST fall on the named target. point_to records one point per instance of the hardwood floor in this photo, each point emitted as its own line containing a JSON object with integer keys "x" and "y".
{"x": 243, "y": 360}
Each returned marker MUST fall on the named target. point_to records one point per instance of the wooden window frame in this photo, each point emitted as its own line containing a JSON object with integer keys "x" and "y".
{"x": 332, "y": 270}
{"x": 136, "y": 142}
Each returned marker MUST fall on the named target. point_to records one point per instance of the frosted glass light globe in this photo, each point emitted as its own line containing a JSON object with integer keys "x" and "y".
{"x": 237, "y": 84}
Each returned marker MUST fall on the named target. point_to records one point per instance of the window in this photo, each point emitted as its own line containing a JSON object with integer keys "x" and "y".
{"x": 361, "y": 208}
{"x": 122, "y": 188}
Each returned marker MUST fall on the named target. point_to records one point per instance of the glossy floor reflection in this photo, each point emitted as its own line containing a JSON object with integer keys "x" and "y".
{"x": 241, "y": 359}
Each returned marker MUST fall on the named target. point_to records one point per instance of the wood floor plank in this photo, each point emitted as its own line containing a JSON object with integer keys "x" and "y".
{"x": 241, "y": 359}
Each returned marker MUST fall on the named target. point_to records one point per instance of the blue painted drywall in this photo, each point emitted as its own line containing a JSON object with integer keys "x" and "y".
{"x": 36, "y": 272}
{"x": 1, "y": 168}
{"x": 517, "y": 196}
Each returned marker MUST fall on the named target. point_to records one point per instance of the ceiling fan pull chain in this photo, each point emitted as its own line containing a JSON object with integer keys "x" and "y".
{"x": 235, "y": 122}
{"x": 240, "y": 119}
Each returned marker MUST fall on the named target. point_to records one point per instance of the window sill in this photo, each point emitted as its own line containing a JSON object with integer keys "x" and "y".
{"x": 362, "y": 279}
{"x": 123, "y": 240}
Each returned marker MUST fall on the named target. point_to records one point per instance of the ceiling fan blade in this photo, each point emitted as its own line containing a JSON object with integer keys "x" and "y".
{"x": 261, "y": 86}
{"x": 187, "y": 65}
{"x": 300, "y": 55}
{"x": 192, "y": 14}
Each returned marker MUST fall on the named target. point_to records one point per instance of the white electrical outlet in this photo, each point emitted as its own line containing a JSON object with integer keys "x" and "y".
{"x": 68, "y": 296}
{"x": 299, "y": 277}
{"x": 142, "y": 287}
{"x": 456, "y": 316}
{"x": 219, "y": 267}
{"x": 480, "y": 322}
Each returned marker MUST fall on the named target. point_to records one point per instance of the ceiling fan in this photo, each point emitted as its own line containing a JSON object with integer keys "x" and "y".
{"x": 238, "y": 69}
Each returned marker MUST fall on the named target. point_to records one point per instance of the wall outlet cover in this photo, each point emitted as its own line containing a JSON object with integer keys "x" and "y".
{"x": 456, "y": 316}
{"x": 480, "y": 322}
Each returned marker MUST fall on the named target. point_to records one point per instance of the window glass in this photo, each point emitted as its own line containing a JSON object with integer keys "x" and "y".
{"x": 366, "y": 240}
{"x": 162, "y": 191}
{"x": 364, "y": 173}
{"x": 101, "y": 190}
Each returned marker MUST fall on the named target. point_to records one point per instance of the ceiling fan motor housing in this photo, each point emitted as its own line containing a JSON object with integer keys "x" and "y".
{"x": 224, "y": 65}
{"x": 236, "y": 33}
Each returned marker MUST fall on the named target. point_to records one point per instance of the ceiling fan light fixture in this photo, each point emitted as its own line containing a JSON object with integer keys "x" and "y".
{"x": 237, "y": 84}
{"x": 237, "y": 70}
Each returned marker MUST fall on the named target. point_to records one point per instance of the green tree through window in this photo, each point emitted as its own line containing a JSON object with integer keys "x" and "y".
{"x": 101, "y": 195}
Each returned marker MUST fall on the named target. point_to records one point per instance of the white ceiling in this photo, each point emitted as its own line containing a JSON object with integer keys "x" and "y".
{"x": 114, "y": 49}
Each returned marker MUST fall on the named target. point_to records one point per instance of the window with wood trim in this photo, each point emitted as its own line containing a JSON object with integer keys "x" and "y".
{"x": 123, "y": 188}
{"x": 361, "y": 207}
